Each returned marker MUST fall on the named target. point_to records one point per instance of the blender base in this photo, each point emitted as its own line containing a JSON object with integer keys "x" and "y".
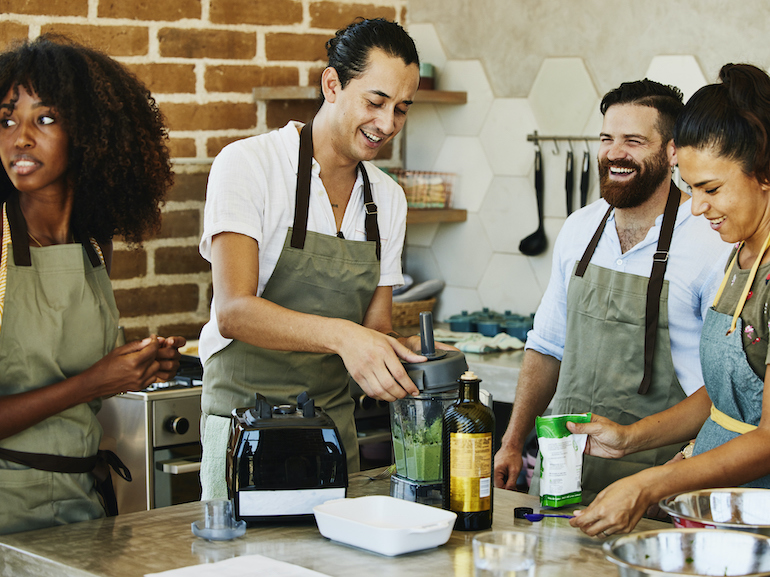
{"x": 425, "y": 492}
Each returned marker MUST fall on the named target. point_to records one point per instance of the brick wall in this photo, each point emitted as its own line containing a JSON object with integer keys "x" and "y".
{"x": 201, "y": 59}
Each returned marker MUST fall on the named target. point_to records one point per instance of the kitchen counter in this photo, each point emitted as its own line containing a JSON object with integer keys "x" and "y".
{"x": 134, "y": 544}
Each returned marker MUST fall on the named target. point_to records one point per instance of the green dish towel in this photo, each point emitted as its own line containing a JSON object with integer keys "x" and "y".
{"x": 215, "y": 436}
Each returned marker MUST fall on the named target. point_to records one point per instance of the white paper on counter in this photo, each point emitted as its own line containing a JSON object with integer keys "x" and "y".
{"x": 243, "y": 566}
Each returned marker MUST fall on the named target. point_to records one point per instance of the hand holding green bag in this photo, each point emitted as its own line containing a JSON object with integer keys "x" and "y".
{"x": 561, "y": 463}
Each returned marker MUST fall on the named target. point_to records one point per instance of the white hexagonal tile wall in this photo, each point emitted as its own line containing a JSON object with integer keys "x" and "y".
{"x": 464, "y": 156}
{"x": 462, "y": 252}
{"x": 421, "y": 234}
{"x": 684, "y": 72}
{"x": 424, "y": 137}
{"x": 454, "y": 300}
{"x": 428, "y": 44}
{"x": 504, "y": 136}
{"x": 509, "y": 284}
{"x": 562, "y": 96}
{"x": 509, "y": 212}
{"x": 420, "y": 263}
{"x": 468, "y": 75}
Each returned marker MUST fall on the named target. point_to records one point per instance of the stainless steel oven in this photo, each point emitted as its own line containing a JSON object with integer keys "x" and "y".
{"x": 156, "y": 433}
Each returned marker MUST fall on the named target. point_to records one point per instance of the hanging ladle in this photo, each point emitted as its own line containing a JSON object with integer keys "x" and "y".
{"x": 536, "y": 242}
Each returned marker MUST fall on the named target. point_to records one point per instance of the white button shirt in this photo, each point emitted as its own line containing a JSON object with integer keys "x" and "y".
{"x": 251, "y": 191}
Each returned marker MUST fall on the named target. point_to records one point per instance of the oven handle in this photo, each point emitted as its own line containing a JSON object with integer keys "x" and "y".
{"x": 180, "y": 466}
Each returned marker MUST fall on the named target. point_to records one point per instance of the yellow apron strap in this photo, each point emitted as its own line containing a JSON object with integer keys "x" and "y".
{"x": 4, "y": 262}
{"x": 749, "y": 281}
{"x": 729, "y": 423}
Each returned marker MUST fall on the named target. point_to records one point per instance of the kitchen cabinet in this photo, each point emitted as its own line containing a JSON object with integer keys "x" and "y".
{"x": 414, "y": 216}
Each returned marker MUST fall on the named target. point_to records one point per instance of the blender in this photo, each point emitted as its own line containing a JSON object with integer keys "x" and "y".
{"x": 415, "y": 421}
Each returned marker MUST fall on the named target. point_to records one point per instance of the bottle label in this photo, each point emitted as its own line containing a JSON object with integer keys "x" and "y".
{"x": 470, "y": 468}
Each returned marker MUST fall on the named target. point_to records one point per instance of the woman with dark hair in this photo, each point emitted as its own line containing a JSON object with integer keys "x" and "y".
{"x": 82, "y": 146}
{"x": 723, "y": 148}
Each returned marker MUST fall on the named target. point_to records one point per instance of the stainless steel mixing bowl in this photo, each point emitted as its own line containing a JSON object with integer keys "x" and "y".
{"x": 690, "y": 552}
{"x": 733, "y": 508}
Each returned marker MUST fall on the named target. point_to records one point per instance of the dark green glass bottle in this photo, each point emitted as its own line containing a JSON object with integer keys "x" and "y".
{"x": 467, "y": 450}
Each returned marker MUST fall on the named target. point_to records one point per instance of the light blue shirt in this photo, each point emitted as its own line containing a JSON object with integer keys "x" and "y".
{"x": 697, "y": 259}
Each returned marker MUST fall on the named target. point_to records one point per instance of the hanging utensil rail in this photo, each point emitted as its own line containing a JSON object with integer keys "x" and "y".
{"x": 536, "y": 138}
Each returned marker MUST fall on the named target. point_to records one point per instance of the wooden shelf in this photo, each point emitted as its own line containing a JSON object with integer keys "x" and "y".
{"x": 440, "y": 97}
{"x": 312, "y": 93}
{"x": 427, "y": 215}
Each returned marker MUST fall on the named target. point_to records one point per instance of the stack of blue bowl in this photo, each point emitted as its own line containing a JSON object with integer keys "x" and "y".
{"x": 489, "y": 323}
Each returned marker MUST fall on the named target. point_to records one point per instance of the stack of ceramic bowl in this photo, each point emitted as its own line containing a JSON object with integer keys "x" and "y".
{"x": 489, "y": 323}
{"x": 718, "y": 532}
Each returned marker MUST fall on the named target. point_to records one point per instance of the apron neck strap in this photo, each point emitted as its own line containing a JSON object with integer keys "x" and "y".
{"x": 749, "y": 281}
{"x": 655, "y": 284}
{"x": 19, "y": 233}
{"x": 302, "y": 201}
{"x": 20, "y": 236}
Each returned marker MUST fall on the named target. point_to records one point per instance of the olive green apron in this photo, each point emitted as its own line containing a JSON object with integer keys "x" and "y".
{"x": 329, "y": 276}
{"x": 604, "y": 359}
{"x": 59, "y": 319}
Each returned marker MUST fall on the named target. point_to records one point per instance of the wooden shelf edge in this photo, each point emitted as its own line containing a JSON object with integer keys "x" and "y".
{"x": 441, "y": 97}
{"x": 428, "y": 215}
{"x": 313, "y": 92}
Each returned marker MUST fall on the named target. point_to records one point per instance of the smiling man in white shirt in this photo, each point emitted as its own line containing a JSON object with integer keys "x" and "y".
{"x": 304, "y": 235}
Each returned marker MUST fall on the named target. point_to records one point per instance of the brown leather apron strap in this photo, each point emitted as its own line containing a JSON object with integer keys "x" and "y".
{"x": 99, "y": 465}
{"x": 19, "y": 234}
{"x": 655, "y": 286}
{"x": 372, "y": 229}
{"x": 589, "y": 252}
{"x": 302, "y": 203}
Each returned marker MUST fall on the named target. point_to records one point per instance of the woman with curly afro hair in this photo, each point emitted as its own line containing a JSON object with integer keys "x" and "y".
{"x": 82, "y": 146}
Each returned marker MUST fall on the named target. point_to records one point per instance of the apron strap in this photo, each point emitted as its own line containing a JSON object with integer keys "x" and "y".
{"x": 19, "y": 234}
{"x": 302, "y": 203}
{"x": 99, "y": 465}
{"x": 372, "y": 229}
{"x": 749, "y": 281}
{"x": 655, "y": 285}
{"x": 589, "y": 252}
{"x": 727, "y": 422}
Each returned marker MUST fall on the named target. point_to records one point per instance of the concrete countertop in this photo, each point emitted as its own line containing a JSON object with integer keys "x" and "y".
{"x": 135, "y": 544}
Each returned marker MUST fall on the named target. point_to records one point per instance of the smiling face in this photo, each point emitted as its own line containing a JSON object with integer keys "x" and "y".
{"x": 371, "y": 110}
{"x": 735, "y": 203}
{"x": 33, "y": 143}
{"x": 633, "y": 159}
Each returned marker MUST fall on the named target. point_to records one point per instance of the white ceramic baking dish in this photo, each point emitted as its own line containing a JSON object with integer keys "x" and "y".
{"x": 384, "y": 525}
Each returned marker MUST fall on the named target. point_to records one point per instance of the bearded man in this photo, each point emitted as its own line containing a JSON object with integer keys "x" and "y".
{"x": 633, "y": 274}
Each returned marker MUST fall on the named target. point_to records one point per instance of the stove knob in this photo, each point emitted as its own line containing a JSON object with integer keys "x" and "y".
{"x": 178, "y": 425}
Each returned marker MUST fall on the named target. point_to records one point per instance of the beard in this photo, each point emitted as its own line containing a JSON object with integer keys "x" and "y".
{"x": 649, "y": 176}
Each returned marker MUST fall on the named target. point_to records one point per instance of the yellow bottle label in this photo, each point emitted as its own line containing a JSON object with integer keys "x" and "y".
{"x": 470, "y": 469}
